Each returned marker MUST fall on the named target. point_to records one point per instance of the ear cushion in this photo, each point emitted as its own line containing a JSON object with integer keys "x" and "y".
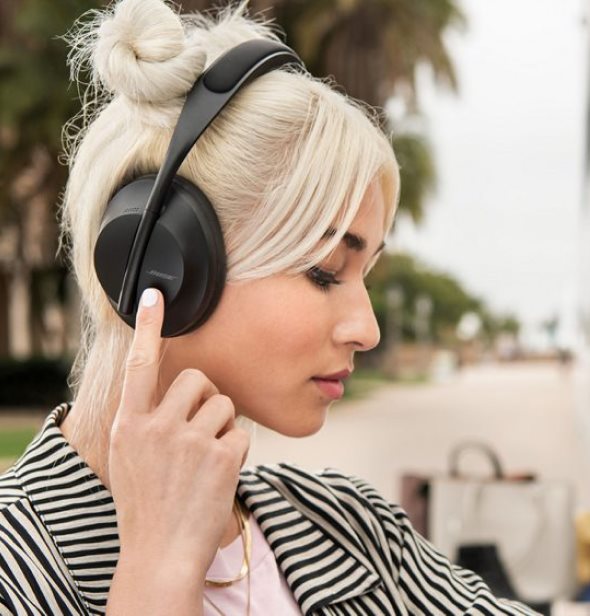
{"x": 185, "y": 257}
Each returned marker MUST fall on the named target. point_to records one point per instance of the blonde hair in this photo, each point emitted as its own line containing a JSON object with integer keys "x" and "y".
{"x": 287, "y": 159}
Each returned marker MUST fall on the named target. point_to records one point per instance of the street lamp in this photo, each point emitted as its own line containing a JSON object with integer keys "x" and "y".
{"x": 394, "y": 299}
{"x": 423, "y": 310}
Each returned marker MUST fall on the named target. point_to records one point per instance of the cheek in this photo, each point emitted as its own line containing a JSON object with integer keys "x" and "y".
{"x": 261, "y": 345}
{"x": 289, "y": 326}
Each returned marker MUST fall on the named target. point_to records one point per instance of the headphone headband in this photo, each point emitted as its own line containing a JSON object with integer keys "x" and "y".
{"x": 206, "y": 99}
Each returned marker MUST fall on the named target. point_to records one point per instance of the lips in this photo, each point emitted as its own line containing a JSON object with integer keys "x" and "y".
{"x": 332, "y": 389}
{"x": 331, "y": 385}
{"x": 337, "y": 376}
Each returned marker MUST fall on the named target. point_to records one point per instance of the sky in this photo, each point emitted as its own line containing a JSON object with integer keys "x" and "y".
{"x": 509, "y": 152}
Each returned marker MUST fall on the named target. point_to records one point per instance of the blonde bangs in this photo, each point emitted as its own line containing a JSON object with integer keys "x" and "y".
{"x": 338, "y": 153}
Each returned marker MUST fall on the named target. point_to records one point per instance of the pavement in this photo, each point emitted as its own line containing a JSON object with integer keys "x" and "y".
{"x": 525, "y": 411}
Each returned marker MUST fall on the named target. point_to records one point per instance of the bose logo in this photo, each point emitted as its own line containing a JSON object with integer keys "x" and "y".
{"x": 162, "y": 275}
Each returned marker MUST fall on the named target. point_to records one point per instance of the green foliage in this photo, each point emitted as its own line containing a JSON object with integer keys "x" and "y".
{"x": 364, "y": 381}
{"x": 14, "y": 441}
{"x": 417, "y": 171}
{"x": 449, "y": 299}
{"x": 492, "y": 325}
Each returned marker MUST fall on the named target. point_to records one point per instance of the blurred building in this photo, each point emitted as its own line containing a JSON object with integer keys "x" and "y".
{"x": 583, "y": 291}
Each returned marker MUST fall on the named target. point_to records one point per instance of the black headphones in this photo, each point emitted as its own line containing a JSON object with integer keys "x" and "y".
{"x": 161, "y": 230}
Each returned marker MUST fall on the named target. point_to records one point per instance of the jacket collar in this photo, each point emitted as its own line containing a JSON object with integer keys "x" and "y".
{"x": 314, "y": 543}
{"x": 291, "y": 506}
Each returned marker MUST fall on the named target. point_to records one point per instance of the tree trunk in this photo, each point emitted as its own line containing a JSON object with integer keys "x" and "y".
{"x": 20, "y": 302}
{"x": 4, "y": 299}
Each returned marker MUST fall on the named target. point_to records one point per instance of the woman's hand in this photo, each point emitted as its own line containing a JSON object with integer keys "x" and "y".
{"x": 173, "y": 467}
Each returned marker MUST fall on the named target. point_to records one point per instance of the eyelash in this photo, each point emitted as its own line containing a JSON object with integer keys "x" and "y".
{"x": 324, "y": 280}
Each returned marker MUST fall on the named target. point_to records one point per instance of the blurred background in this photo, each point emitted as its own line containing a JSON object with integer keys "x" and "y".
{"x": 482, "y": 294}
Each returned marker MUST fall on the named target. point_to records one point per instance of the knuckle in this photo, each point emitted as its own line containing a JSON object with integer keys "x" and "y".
{"x": 194, "y": 373}
{"x": 223, "y": 455}
{"x": 122, "y": 423}
{"x": 243, "y": 440}
{"x": 196, "y": 378}
{"x": 117, "y": 436}
{"x": 243, "y": 435}
{"x": 193, "y": 440}
{"x": 158, "y": 428}
{"x": 188, "y": 379}
{"x": 223, "y": 407}
{"x": 122, "y": 429}
{"x": 138, "y": 358}
{"x": 197, "y": 439}
{"x": 224, "y": 402}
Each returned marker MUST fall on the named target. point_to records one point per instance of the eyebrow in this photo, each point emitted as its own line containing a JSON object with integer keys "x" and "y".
{"x": 353, "y": 241}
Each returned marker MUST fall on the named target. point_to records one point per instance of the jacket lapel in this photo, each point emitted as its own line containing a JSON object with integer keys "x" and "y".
{"x": 320, "y": 555}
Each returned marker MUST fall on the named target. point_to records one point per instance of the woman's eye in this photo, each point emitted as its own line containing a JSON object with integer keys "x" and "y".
{"x": 322, "y": 279}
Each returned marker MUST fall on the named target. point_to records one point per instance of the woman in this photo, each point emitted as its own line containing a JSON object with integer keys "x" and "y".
{"x": 134, "y": 498}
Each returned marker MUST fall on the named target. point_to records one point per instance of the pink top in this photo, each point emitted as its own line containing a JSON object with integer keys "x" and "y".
{"x": 269, "y": 592}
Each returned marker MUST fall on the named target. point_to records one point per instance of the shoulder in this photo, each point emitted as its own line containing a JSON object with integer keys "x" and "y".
{"x": 328, "y": 482}
{"x": 15, "y": 511}
{"x": 331, "y": 492}
{"x": 11, "y": 490}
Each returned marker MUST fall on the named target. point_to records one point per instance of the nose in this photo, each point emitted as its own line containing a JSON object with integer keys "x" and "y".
{"x": 357, "y": 324}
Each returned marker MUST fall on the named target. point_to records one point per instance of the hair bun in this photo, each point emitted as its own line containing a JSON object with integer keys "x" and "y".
{"x": 142, "y": 52}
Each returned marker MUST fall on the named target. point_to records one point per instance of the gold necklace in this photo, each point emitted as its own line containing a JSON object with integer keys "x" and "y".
{"x": 246, "y": 535}
{"x": 246, "y": 542}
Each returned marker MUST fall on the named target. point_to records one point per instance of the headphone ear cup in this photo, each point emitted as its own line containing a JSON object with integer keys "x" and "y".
{"x": 185, "y": 257}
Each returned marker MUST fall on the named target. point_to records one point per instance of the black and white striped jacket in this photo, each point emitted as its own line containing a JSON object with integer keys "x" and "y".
{"x": 342, "y": 548}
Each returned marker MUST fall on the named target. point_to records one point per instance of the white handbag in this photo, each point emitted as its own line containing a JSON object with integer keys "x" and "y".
{"x": 530, "y": 522}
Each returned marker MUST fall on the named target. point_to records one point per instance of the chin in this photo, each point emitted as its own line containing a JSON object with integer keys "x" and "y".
{"x": 295, "y": 420}
{"x": 306, "y": 426}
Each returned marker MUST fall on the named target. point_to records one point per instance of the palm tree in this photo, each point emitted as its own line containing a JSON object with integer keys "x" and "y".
{"x": 373, "y": 47}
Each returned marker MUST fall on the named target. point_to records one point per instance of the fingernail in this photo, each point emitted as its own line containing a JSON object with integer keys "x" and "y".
{"x": 149, "y": 298}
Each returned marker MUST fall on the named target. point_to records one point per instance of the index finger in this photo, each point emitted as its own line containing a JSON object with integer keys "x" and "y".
{"x": 143, "y": 360}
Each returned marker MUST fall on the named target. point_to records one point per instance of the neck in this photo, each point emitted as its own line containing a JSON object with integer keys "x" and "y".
{"x": 92, "y": 448}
